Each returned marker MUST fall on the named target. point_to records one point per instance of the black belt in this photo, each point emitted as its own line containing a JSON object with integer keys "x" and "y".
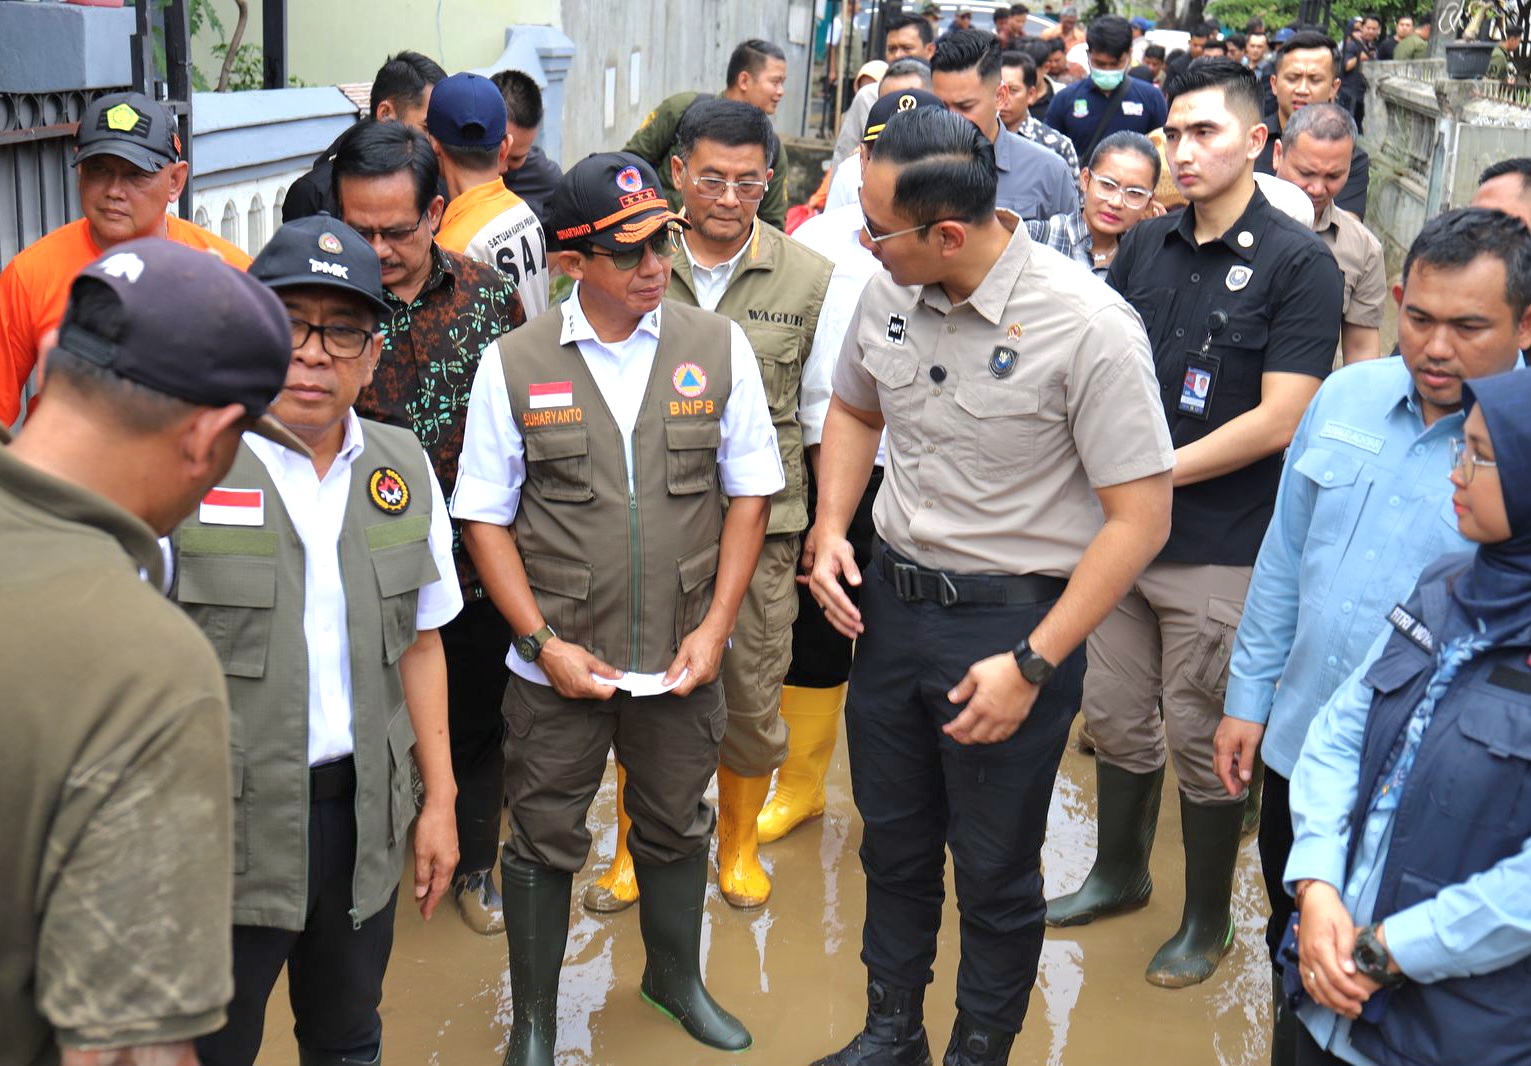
{"x": 913, "y": 583}
{"x": 332, "y": 780}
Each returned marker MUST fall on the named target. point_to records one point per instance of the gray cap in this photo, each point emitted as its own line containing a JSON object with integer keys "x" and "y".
{"x": 132, "y": 127}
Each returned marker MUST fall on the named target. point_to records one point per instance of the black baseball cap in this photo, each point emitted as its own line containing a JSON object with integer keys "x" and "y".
{"x": 183, "y": 323}
{"x": 891, "y": 104}
{"x": 321, "y": 250}
{"x": 466, "y": 111}
{"x": 611, "y": 199}
{"x": 132, "y": 126}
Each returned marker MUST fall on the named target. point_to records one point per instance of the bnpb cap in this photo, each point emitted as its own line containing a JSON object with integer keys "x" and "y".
{"x": 611, "y": 199}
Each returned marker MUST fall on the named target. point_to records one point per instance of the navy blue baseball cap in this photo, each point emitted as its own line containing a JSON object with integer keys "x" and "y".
{"x": 466, "y": 111}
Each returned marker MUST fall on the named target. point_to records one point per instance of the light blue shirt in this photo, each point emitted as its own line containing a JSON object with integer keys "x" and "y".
{"x": 1363, "y": 505}
{"x": 1478, "y": 926}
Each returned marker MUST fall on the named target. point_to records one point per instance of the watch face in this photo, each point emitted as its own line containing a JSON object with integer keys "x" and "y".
{"x": 526, "y": 648}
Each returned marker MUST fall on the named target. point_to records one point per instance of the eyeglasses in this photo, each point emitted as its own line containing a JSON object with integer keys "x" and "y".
{"x": 338, "y": 342}
{"x": 661, "y": 244}
{"x": 878, "y": 238}
{"x": 1108, "y": 189}
{"x": 392, "y": 234}
{"x": 748, "y": 192}
{"x": 1466, "y": 460}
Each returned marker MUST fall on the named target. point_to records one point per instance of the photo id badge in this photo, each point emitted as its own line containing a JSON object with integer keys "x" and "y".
{"x": 1199, "y": 384}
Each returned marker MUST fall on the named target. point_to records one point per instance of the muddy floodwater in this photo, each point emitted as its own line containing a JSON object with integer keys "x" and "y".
{"x": 791, "y": 970}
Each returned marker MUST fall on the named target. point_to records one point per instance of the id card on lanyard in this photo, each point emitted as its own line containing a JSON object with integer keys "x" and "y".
{"x": 1199, "y": 385}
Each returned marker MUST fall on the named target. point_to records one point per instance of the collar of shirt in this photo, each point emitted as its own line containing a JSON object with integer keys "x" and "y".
{"x": 442, "y": 273}
{"x": 71, "y": 503}
{"x": 578, "y": 330}
{"x": 1252, "y": 221}
{"x": 993, "y": 293}
{"x": 1328, "y": 220}
{"x": 717, "y": 277}
{"x": 276, "y": 457}
{"x": 1004, "y": 148}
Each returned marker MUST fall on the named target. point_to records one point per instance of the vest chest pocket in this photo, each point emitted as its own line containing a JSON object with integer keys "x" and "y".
{"x": 1487, "y": 771}
{"x": 402, "y": 563}
{"x": 401, "y": 790}
{"x": 562, "y": 590}
{"x": 558, "y": 463}
{"x": 777, "y": 351}
{"x": 691, "y": 455}
{"x": 697, "y": 573}
{"x": 232, "y": 599}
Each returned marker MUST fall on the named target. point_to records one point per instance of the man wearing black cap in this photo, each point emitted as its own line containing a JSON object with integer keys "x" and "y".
{"x": 483, "y": 219}
{"x": 128, "y": 158}
{"x": 322, "y": 580}
{"x": 612, "y": 431}
{"x": 114, "y": 774}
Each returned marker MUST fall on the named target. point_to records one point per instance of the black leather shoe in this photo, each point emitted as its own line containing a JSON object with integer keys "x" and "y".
{"x": 894, "y": 1033}
{"x": 973, "y": 1044}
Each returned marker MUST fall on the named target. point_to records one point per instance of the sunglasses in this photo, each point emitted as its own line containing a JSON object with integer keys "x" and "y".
{"x": 662, "y": 243}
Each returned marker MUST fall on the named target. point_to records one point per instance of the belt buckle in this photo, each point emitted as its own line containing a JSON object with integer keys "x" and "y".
{"x": 906, "y": 584}
{"x": 948, "y": 591}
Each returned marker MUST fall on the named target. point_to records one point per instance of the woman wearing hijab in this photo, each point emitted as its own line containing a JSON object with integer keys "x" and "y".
{"x": 1411, "y": 801}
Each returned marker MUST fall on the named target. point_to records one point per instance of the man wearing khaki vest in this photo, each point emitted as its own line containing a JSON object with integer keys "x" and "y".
{"x": 600, "y": 449}
{"x": 773, "y": 288}
{"x": 321, "y": 583}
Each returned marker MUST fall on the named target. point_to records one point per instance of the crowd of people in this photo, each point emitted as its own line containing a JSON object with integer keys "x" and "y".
{"x": 1066, "y": 391}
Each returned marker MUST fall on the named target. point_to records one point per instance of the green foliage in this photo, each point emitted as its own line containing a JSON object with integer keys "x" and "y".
{"x": 1234, "y": 14}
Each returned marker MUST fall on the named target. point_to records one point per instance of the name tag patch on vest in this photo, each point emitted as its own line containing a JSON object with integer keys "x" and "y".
{"x": 1358, "y": 438}
{"x": 689, "y": 380}
{"x": 233, "y": 507}
{"x": 545, "y": 394}
{"x": 387, "y": 490}
{"x": 1412, "y": 628}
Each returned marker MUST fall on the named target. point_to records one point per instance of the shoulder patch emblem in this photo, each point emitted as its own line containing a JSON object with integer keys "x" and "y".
{"x": 388, "y": 491}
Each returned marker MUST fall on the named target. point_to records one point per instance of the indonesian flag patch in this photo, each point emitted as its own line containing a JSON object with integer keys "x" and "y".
{"x": 233, "y": 507}
{"x": 550, "y": 394}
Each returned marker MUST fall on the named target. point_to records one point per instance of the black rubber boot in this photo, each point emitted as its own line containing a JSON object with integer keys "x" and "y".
{"x": 1127, "y": 815}
{"x": 1211, "y": 835}
{"x": 537, "y": 928}
{"x": 975, "y": 1044}
{"x": 894, "y": 1033}
{"x": 1283, "y": 1025}
{"x": 330, "y": 1058}
{"x": 670, "y": 903}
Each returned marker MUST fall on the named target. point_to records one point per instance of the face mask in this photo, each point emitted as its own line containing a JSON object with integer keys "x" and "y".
{"x": 1107, "y": 80}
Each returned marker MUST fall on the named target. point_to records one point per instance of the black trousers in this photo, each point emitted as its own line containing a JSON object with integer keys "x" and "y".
{"x": 919, "y": 792}
{"x": 821, "y": 655}
{"x": 1275, "y": 847}
{"x": 1308, "y": 1051}
{"x": 334, "y": 971}
{"x": 476, "y": 643}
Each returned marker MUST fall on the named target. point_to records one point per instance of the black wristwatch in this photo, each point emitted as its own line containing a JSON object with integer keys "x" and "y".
{"x": 1372, "y": 958}
{"x": 530, "y": 646}
{"x": 1034, "y": 668}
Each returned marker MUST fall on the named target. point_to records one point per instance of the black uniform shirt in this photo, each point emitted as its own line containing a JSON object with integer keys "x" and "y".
{"x": 1269, "y": 294}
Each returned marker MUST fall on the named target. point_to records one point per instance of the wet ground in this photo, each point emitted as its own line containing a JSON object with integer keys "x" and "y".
{"x": 791, "y": 970}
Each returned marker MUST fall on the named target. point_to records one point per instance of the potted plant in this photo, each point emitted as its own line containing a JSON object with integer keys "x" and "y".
{"x": 1468, "y": 56}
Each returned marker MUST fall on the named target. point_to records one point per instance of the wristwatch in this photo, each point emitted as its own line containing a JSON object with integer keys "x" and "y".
{"x": 530, "y": 646}
{"x": 1034, "y": 668}
{"x": 1372, "y": 958}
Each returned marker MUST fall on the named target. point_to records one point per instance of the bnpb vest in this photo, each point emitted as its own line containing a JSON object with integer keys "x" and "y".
{"x": 244, "y": 586}
{"x": 626, "y": 574}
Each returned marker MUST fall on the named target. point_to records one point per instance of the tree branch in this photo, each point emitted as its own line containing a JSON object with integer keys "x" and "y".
{"x": 234, "y": 42}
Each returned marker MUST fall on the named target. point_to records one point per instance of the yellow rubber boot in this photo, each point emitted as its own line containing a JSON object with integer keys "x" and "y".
{"x": 813, "y": 726}
{"x": 617, "y": 888}
{"x": 742, "y": 879}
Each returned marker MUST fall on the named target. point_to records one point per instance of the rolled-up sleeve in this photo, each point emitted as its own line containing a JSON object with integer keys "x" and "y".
{"x": 493, "y": 464}
{"x": 749, "y": 461}
{"x": 441, "y": 600}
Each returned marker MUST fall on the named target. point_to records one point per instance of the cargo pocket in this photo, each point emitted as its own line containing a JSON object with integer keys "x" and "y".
{"x": 562, "y": 589}
{"x": 691, "y": 455}
{"x": 519, "y": 713}
{"x": 558, "y": 463}
{"x": 1487, "y": 779}
{"x": 776, "y": 350}
{"x": 233, "y": 600}
{"x": 697, "y": 573}
{"x": 401, "y": 743}
{"x": 999, "y": 438}
{"x": 402, "y": 563}
{"x": 241, "y": 815}
{"x": 1207, "y": 668}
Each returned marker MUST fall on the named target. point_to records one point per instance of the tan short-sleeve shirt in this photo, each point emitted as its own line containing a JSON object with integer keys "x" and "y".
{"x": 1004, "y": 412}
{"x": 1359, "y": 255}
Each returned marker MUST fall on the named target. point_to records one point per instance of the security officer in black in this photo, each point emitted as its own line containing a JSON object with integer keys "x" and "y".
{"x": 1242, "y": 307}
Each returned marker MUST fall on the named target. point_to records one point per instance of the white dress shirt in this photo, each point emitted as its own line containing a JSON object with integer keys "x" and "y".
{"x": 317, "y": 508}
{"x": 845, "y": 186}
{"x": 493, "y": 464}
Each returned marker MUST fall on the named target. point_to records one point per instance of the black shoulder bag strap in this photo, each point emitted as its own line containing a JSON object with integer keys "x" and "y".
{"x": 1113, "y": 108}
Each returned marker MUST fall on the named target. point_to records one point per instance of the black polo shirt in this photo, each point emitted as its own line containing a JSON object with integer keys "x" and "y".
{"x": 1270, "y": 295}
{"x": 1352, "y": 197}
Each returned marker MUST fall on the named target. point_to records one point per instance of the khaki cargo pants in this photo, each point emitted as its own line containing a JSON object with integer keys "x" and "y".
{"x": 756, "y": 665}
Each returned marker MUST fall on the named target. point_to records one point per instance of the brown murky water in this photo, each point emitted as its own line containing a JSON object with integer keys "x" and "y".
{"x": 791, "y": 970}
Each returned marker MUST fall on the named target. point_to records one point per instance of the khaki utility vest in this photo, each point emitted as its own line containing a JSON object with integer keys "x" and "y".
{"x": 775, "y": 295}
{"x": 626, "y": 574}
{"x": 245, "y": 587}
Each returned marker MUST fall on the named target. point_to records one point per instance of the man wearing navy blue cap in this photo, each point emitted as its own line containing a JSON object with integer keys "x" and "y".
{"x": 322, "y": 580}
{"x": 484, "y": 219}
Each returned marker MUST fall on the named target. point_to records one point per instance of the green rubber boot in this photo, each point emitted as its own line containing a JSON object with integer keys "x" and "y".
{"x": 670, "y": 903}
{"x": 1211, "y": 834}
{"x": 537, "y": 927}
{"x": 1252, "y": 801}
{"x": 1127, "y": 814}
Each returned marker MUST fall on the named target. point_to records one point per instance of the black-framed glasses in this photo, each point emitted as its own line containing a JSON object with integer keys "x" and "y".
{"x": 662, "y": 243}
{"x": 709, "y": 188}
{"x": 1108, "y": 189}
{"x": 1463, "y": 458}
{"x": 338, "y": 342}
{"x": 391, "y": 234}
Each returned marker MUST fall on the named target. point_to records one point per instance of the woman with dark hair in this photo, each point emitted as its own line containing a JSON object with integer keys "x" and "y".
{"x": 1116, "y": 192}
